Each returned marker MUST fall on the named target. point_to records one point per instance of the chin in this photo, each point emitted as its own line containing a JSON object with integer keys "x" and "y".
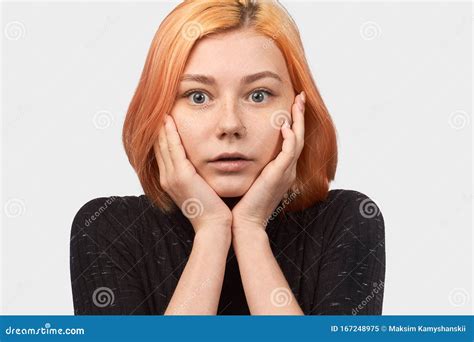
{"x": 230, "y": 186}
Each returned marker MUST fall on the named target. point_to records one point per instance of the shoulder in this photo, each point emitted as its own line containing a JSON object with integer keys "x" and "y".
{"x": 109, "y": 215}
{"x": 351, "y": 202}
{"x": 354, "y": 215}
{"x": 343, "y": 210}
{"x": 112, "y": 205}
{"x": 346, "y": 200}
{"x": 350, "y": 253}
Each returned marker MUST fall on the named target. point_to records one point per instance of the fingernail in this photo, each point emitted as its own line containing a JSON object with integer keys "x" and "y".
{"x": 286, "y": 123}
{"x": 303, "y": 96}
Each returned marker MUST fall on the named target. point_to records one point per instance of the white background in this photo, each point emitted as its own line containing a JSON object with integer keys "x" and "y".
{"x": 396, "y": 77}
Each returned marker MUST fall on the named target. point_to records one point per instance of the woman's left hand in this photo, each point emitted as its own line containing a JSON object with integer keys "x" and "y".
{"x": 276, "y": 178}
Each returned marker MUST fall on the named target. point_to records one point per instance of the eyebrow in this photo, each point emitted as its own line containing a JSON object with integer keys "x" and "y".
{"x": 209, "y": 80}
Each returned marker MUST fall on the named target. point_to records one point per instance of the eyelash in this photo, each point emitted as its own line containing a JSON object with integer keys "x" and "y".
{"x": 192, "y": 91}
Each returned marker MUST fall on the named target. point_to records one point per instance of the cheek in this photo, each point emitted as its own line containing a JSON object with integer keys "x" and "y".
{"x": 268, "y": 144}
{"x": 194, "y": 138}
{"x": 189, "y": 139}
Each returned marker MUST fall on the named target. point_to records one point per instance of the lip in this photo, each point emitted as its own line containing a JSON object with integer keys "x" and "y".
{"x": 230, "y": 155}
{"x": 230, "y": 165}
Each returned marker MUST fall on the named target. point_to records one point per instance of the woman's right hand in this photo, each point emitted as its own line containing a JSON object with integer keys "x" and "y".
{"x": 178, "y": 177}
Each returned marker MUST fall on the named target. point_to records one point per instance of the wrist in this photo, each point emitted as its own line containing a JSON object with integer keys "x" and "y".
{"x": 250, "y": 244}
{"x": 250, "y": 235}
{"x": 214, "y": 237}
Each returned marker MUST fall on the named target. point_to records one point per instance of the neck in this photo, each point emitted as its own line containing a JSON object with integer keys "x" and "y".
{"x": 231, "y": 201}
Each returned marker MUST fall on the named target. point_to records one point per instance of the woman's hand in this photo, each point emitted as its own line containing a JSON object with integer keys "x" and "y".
{"x": 276, "y": 178}
{"x": 178, "y": 177}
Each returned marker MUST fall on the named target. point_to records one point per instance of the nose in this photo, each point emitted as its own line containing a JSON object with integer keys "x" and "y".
{"x": 230, "y": 122}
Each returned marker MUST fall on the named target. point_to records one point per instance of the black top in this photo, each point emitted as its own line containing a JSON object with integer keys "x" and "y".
{"x": 126, "y": 257}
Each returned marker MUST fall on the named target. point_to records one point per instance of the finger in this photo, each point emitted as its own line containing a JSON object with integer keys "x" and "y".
{"x": 177, "y": 153}
{"x": 288, "y": 152}
{"x": 159, "y": 158}
{"x": 298, "y": 121}
{"x": 165, "y": 153}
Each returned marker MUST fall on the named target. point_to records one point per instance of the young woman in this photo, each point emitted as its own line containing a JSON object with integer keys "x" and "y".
{"x": 235, "y": 151}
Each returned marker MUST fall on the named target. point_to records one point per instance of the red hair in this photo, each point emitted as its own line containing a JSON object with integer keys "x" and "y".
{"x": 165, "y": 63}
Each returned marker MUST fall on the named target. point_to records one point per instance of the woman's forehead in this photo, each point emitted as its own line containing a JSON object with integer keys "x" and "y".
{"x": 235, "y": 59}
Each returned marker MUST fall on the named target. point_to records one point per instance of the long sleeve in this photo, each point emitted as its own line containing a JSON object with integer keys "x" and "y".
{"x": 352, "y": 267}
{"x": 103, "y": 259}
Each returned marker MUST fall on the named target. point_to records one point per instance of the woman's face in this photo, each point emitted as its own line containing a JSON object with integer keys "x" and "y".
{"x": 233, "y": 94}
